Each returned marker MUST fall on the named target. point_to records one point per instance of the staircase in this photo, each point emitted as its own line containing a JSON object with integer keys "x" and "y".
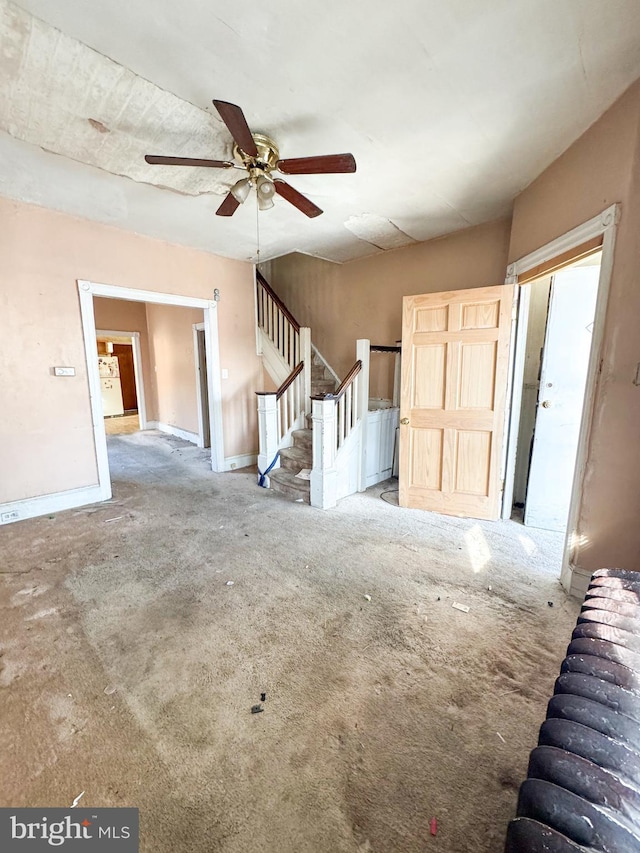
{"x": 334, "y": 443}
{"x": 298, "y": 457}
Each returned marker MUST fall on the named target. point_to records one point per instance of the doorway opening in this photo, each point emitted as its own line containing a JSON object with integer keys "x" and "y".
{"x": 121, "y": 381}
{"x": 558, "y": 313}
{"x": 595, "y": 240}
{"x": 164, "y": 370}
{"x": 166, "y": 359}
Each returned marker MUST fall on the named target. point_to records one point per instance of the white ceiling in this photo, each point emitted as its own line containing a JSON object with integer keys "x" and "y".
{"x": 451, "y": 107}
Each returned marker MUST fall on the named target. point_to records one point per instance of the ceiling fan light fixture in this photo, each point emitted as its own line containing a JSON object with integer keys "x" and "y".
{"x": 240, "y": 190}
{"x": 265, "y": 202}
{"x": 265, "y": 187}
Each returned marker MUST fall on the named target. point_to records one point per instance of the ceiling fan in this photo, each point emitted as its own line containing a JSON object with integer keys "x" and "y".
{"x": 259, "y": 155}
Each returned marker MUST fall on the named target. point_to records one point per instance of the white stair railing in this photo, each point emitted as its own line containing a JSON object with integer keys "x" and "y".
{"x": 279, "y": 413}
{"x": 283, "y": 342}
{"x": 339, "y": 423}
{"x": 277, "y": 322}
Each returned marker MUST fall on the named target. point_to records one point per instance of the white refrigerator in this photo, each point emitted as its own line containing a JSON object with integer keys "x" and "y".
{"x": 109, "y": 370}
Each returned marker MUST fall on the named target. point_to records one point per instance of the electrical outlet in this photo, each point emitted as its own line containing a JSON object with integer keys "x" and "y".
{"x": 10, "y": 516}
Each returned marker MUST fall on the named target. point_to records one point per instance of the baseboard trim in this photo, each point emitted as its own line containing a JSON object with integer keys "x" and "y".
{"x": 244, "y": 460}
{"x": 57, "y": 502}
{"x": 580, "y": 579}
{"x": 193, "y": 437}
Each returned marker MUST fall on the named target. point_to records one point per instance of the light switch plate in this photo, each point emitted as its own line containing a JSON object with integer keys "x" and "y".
{"x": 64, "y": 371}
{"x": 224, "y": 373}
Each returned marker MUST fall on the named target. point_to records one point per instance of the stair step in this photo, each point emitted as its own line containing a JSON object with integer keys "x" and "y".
{"x": 318, "y": 371}
{"x": 288, "y": 484}
{"x": 302, "y": 438}
{"x": 295, "y": 458}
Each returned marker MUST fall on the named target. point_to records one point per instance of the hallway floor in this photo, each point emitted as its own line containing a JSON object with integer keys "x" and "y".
{"x": 135, "y": 636}
{"x": 122, "y": 424}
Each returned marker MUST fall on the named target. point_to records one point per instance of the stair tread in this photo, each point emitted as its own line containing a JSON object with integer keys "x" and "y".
{"x": 297, "y": 454}
{"x": 281, "y": 475}
{"x": 303, "y": 440}
{"x": 286, "y": 483}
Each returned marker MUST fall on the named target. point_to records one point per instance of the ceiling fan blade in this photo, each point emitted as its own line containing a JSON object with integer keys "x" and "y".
{"x": 234, "y": 118}
{"x": 322, "y": 165}
{"x": 187, "y": 161}
{"x": 297, "y": 199}
{"x": 228, "y": 206}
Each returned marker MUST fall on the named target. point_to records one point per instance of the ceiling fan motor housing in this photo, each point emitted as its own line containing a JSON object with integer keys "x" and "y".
{"x": 265, "y": 162}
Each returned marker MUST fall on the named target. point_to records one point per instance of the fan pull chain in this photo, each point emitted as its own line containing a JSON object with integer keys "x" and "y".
{"x": 257, "y": 231}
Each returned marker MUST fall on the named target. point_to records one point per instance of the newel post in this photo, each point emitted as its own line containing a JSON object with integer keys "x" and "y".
{"x": 323, "y": 474}
{"x": 268, "y": 431}
{"x": 363, "y": 351}
{"x": 305, "y": 355}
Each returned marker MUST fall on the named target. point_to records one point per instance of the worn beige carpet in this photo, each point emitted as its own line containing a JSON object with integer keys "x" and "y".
{"x": 136, "y": 636}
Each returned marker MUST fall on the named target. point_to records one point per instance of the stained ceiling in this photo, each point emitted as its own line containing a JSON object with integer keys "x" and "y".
{"x": 451, "y": 107}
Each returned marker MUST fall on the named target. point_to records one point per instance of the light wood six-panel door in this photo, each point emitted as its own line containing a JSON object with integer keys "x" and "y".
{"x": 455, "y": 362}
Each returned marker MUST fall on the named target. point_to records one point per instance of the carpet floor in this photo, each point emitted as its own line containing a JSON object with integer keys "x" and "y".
{"x": 136, "y": 635}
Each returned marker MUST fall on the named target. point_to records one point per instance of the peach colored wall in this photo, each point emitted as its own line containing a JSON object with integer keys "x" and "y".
{"x": 601, "y": 168}
{"x": 46, "y": 435}
{"x": 121, "y": 315}
{"x": 238, "y": 357}
{"x": 363, "y": 299}
{"x": 47, "y": 446}
{"x": 173, "y": 358}
{"x": 591, "y": 175}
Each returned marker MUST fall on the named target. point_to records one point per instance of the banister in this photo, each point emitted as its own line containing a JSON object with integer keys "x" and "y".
{"x": 297, "y": 370}
{"x": 351, "y": 375}
{"x": 283, "y": 308}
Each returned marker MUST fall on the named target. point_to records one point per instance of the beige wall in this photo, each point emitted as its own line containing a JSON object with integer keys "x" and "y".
{"x": 121, "y": 315}
{"x": 173, "y": 358}
{"x": 245, "y": 374}
{"x": 363, "y": 299}
{"x": 47, "y": 446}
{"x": 601, "y": 168}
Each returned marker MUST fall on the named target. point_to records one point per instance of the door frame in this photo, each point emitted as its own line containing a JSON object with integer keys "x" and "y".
{"x": 199, "y": 327}
{"x": 137, "y": 368}
{"x": 87, "y": 290}
{"x": 603, "y": 225}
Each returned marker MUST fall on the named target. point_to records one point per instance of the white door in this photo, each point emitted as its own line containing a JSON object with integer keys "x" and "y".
{"x": 563, "y": 378}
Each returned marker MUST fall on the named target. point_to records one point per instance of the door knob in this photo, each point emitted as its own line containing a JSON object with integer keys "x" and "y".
{"x": 404, "y": 421}
{"x": 546, "y": 404}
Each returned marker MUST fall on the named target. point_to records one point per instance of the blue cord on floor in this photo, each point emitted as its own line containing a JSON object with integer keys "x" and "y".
{"x": 262, "y": 477}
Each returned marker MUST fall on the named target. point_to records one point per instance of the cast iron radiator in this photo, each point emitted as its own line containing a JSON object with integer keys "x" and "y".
{"x": 582, "y": 791}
